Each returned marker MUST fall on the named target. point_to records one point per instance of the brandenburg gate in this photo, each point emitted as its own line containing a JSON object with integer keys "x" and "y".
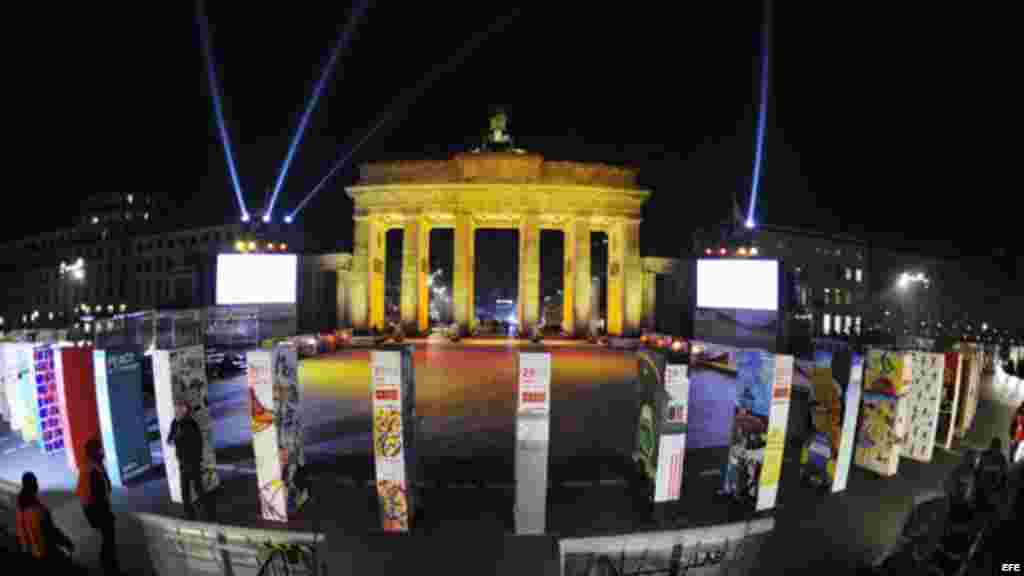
{"x": 497, "y": 190}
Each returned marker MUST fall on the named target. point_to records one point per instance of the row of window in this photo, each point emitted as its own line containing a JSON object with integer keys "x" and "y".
{"x": 219, "y": 236}
{"x": 832, "y": 297}
{"x": 146, "y": 291}
{"x": 839, "y": 297}
{"x": 840, "y": 324}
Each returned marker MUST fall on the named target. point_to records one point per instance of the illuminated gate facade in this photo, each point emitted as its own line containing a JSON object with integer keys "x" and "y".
{"x": 504, "y": 190}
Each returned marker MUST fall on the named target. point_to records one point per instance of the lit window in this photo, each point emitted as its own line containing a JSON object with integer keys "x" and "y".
{"x": 847, "y": 324}
{"x": 849, "y": 273}
{"x": 828, "y": 295}
{"x": 859, "y": 275}
{"x": 837, "y": 323}
{"x": 856, "y": 324}
{"x": 826, "y": 323}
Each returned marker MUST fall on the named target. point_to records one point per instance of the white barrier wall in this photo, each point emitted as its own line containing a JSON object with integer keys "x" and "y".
{"x": 177, "y": 547}
{"x": 712, "y": 550}
{"x": 274, "y": 400}
{"x": 181, "y": 375}
{"x": 532, "y": 437}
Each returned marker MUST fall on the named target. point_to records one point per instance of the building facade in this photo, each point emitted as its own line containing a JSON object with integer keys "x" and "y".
{"x": 830, "y": 289}
{"x": 121, "y": 265}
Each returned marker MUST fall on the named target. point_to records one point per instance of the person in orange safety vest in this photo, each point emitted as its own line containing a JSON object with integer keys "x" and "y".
{"x": 94, "y": 492}
{"x": 37, "y": 534}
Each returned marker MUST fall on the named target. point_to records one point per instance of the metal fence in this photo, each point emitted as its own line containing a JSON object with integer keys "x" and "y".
{"x": 185, "y": 548}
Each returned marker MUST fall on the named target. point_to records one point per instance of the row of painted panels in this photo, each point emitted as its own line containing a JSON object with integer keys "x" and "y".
{"x": 60, "y": 397}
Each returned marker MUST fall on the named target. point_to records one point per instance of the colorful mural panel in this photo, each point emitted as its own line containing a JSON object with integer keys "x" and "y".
{"x": 881, "y": 434}
{"x": 180, "y": 375}
{"x": 49, "y": 421}
{"x": 76, "y": 389}
{"x": 275, "y": 399}
{"x": 888, "y": 373}
{"x": 119, "y": 404}
{"x": 394, "y": 426}
{"x": 924, "y": 402}
{"x": 951, "y": 400}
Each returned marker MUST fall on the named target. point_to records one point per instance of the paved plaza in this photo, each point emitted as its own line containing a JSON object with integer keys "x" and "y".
{"x": 465, "y": 399}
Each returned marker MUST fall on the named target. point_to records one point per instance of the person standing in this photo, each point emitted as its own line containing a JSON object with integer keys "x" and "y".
{"x": 1016, "y": 432}
{"x": 993, "y": 473}
{"x": 187, "y": 440}
{"x": 94, "y": 490}
{"x": 38, "y": 536}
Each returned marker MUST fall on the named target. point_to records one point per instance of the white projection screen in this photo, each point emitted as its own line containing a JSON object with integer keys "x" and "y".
{"x": 738, "y": 284}
{"x": 257, "y": 279}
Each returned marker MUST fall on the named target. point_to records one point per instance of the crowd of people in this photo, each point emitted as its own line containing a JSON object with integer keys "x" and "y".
{"x": 39, "y": 537}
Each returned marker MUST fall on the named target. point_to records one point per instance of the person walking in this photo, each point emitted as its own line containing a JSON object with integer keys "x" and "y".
{"x": 38, "y": 536}
{"x": 188, "y": 445}
{"x": 93, "y": 491}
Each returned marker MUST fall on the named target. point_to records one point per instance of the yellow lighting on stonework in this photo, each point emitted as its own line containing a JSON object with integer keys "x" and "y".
{"x": 742, "y": 251}
{"x": 240, "y": 246}
{"x": 252, "y": 245}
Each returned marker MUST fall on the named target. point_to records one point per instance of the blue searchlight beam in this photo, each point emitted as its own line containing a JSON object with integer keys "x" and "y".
{"x": 404, "y": 101}
{"x": 314, "y": 99}
{"x": 762, "y": 116}
{"x": 204, "y": 33}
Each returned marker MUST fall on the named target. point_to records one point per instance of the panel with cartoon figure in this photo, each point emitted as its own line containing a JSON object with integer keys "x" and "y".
{"x": 880, "y": 438}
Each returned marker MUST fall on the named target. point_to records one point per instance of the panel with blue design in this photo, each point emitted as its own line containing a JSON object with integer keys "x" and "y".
{"x": 51, "y": 428}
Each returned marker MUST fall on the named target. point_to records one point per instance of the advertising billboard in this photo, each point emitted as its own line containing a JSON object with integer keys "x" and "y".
{"x": 738, "y": 303}
{"x": 257, "y": 279}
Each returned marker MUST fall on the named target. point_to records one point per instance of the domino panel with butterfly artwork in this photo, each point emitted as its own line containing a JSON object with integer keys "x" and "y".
{"x": 924, "y": 400}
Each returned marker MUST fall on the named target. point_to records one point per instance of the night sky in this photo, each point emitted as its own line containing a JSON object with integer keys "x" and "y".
{"x": 879, "y": 123}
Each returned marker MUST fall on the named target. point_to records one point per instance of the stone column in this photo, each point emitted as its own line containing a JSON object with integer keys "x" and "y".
{"x": 341, "y": 291}
{"x": 359, "y": 279}
{"x": 650, "y": 281}
{"x": 378, "y": 260}
{"x": 529, "y": 272}
{"x": 581, "y": 268}
{"x": 569, "y": 280}
{"x": 411, "y": 277}
{"x": 616, "y": 280}
{"x": 423, "y": 311}
{"x": 633, "y": 270}
{"x": 462, "y": 285}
